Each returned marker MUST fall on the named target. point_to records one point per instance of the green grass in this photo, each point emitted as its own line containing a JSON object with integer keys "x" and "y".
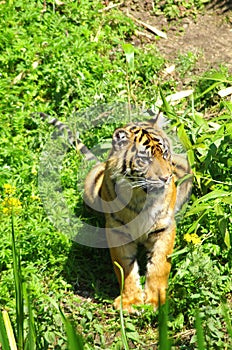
{"x": 63, "y": 59}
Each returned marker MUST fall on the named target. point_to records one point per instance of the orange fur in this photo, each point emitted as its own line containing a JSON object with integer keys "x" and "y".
{"x": 136, "y": 190}
{"x": 138, "y": 195}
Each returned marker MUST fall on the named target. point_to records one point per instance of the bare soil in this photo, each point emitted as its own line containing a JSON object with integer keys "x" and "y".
{"x": 208, "y": 35}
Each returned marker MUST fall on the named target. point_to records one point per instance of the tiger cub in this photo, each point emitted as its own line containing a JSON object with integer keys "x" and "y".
{"x": 136, "y": 189}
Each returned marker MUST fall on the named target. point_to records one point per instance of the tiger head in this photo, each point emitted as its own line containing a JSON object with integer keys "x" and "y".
{"x": 142, "y": 154}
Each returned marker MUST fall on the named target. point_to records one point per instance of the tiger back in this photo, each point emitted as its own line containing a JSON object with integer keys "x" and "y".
{"x": 136, "y": 189}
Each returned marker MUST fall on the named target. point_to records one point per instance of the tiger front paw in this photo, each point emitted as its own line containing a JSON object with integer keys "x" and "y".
{"x": 127, "y": 303}
{"x": 155, "y": 298}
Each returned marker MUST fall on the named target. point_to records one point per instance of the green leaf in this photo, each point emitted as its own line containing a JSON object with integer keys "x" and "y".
{"x": 164, "y": 343}
{"x": 166, "y": 106}
{"x": 178, "y": 252}
{"x": 184, "y": 139}
{"x": 227, "y": 200}
{"x": 18, "y": 289}
{"x": 227, "y": 238}
{"x": 75, "y": 341}
{"x": 191, "y": 158}
{"x": 200, "y": 120}
{"x": 129, "y": 53}
{"x": 199, "y": 332}
{"x": 30, "y": 343}
{"x": 211, "y": 87}
{"x": 134, "y": 336}
{"x": 225, "y": 311}
{"x": 4, "y": 341}
{"x": 217, "y": 76}
{"x": 212, "y": 195}
{"x": 197, "y": 209}
{"x": 228, "y": 105}
{"x": 9, "y": 331}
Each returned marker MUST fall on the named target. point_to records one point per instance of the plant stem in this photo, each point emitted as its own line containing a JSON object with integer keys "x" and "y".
{"x": 18, "y": 289}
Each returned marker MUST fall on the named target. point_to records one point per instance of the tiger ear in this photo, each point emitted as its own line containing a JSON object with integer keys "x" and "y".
{"x": 158, "y": 119}
{"x": 120, "y": 138}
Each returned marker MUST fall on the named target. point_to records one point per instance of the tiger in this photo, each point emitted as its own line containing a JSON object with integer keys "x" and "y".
{"x": 137, "y": 190}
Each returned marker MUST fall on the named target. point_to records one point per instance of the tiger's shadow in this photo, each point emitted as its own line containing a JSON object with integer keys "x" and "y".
{"x": 89, "y": 270}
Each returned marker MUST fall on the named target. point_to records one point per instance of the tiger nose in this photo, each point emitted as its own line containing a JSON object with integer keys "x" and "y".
{"x": 164, "y": 178}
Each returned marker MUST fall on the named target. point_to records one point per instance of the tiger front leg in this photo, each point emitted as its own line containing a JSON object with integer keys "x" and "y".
{"x": 132, "y": 293}
{"x": 158, "y": 266}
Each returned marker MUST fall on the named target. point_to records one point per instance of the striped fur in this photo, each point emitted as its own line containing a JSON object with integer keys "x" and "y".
{"x": 136, "y": 188}
{"x": 73, "y": 141}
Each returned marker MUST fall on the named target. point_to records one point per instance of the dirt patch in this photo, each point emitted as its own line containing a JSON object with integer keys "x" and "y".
{"x": 208, "y": 36}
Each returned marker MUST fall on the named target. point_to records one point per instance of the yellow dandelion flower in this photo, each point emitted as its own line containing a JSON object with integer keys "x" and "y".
{"x": 5, "y": 210}
{"x": 9, "y": 189}
{"x": 192, "y": 238}
{"x": 195, "y": 239}
{"x": 187, "y": 237}
{"x": 10, "y": 205}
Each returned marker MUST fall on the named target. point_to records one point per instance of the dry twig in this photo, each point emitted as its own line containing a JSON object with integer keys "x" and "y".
{"x": 139, "y": 33}
{"x": 148, "y": 26}
{"x": 110, "y": 6}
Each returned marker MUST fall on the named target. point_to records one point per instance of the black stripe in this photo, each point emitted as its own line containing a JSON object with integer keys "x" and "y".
{"x": 117, "y": 219}
{"x": 133, "y": 127}
{"x": 156, "y": 139}
{"x": 146, "y": 142}
{"x": 180, "y": 167}
{"x": 112, "y": 197}
{"x": 96, "y": 180}
{"x": 99, "y": 175}
{"x": 130, "y": 163}
{"x": 85, "y": 151}
{"x": 143, "y": 132}
{"x": 132, "y": 208}
{"x": 133, "y": 149}
{"x": 124, "y": 163}
{"x": 159, "y": 230}
{"x": 119, "y": 232}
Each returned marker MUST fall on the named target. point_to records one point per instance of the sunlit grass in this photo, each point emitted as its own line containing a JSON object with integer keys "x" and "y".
{"x": 61, "y": 57}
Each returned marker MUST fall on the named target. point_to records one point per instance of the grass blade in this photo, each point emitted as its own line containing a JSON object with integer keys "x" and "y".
{"x": 166, "y": 106}
{"x": 124, "y": 337}
{"x": 30, "y": 343}
{"x": 227, "y": 319}
{"x": 18, "y": 289}
{"x": 164, "y": 343}
{"x": 75, "y": 341}
{"x": 129, "y": 53}
{"x": 4, "y": 341}
{"x": 9, "y": 334}
{"x": 199, "y": 332}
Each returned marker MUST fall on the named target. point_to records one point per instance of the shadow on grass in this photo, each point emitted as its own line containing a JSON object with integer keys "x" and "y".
{"x": 90, "y": 270}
